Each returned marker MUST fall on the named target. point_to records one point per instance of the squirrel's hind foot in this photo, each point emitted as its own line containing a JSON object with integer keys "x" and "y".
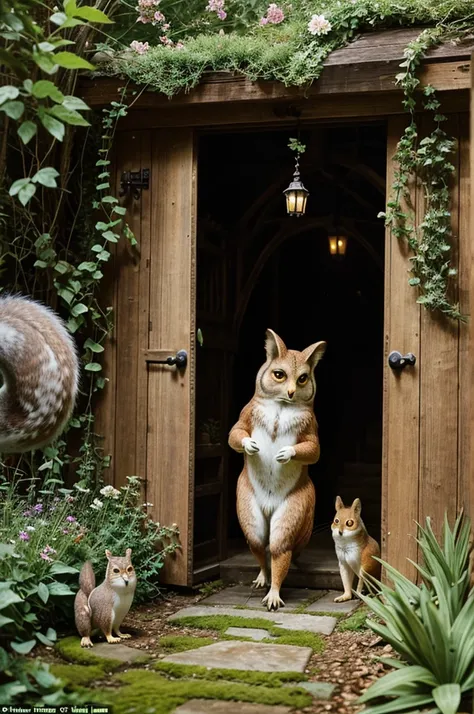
{"x": 86, "y": 642}
{"x": 260, "y": 581}
{"x": 112, "y": 640}
{"x": 123, "y": 635}
{"x": 273, "y": 600}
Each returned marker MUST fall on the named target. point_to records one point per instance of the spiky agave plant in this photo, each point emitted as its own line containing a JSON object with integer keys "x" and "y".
{"x": 431, "y": 626}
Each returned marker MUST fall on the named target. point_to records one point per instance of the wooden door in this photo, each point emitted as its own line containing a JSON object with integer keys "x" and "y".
{"x": 426, "y": 461}
{"x": 147, "y": 413}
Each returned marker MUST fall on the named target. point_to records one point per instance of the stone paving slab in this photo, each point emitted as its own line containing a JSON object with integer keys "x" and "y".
{"x": 251, "y": 632}
{"x": 205, "y": 706}
{"x": 249, "y": 597}
{"x": 318, "y": 624}
{"x": 119, "y": 652}
{"x": 247, "y": 656}
{"x": 327, "y": 604}
{"x": 319, "y": 690}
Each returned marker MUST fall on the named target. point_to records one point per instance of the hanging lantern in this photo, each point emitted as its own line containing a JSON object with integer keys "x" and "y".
{"x": 296, "y": 195}
{"x": 337, "y": 245}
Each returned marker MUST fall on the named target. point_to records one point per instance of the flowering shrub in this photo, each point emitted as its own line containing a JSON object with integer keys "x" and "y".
{"x": 318, "y": 25}
{"x": 45, "y": 537}
{"x": 274, "y": 15}
{"x": 217, "y": 6}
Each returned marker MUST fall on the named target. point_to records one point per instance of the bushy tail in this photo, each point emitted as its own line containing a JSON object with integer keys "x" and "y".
{"x": 39, "y": 366}
{"x": 87, "y": 578}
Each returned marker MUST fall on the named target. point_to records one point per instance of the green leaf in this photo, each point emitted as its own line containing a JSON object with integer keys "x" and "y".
{"x": 79, "y": 309}
{"x": 18, "y": 185}
{"x": 59, "y": 18}
{"x": 69, "y": 60}
{"x": 43, "y": 592}
{"x": 59, "y": 568}
{"x": 5, "y": 620}
{"x": 103, "y": 255}
{"x": 70, "y": 116}
{"x": 87, "y": 265}
{"x": 46, "y": 47}
{"x": 8, "y": 92}
{"x": 44, "y": 640}
{"x": 72, "y": 22}
{"x": 26, "y": 131}
{"x": 91, "y": 14}
{"x": 120, "y": 210}
{"x": 58, "y": 589}
{"x": 447, "y": 697}
{"x": 55, "y": 127}
{"x": 46, "y": 177}
{"x": 110, "y": 236}
{"x": 14, "y": 110}
{"x": 45, "y": 61}
{"x": 93, "y": 346}
{"x": 26, "y": 193}
{"x": 74, "y": 103}
{"x": 70, "y": 7}
{"x": 62, "y": 267}
{"x": 93, "y": 367}
{"x": 23, "y": 647}
{"x": 45, "y": 88}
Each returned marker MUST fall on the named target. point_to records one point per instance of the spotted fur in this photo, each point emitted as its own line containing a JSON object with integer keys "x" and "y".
{"x": 39, "y": 370}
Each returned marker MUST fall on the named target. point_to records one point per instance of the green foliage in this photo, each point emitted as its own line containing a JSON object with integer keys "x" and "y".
{"x": 430, "y": 626}
{"x": 274, "y": 679}
{"x": 78, "y": 675}
{"x": 215, "y": 585}
{"x": 44, "y": 544}
{"x": 70, "y": 649}
{"x": 183, "y": 643}
{"x": 356, "y": 621}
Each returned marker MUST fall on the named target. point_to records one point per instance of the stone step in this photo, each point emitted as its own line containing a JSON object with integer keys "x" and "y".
{"x": 247, "y": 656}
{"x": 244, "y": 595}
{"x": 327, "y": 604}
{"x": 250, "y": 632}
{"x": 205, "y": 706}
{"x": 318, "y": 624}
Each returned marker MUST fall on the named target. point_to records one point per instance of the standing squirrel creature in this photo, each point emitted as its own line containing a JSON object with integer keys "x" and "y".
{"x": 355, "y": 549}
{"x": 278, "y": 434}
{"x": 106, "y": 606}
{"x": 39, "y": 368}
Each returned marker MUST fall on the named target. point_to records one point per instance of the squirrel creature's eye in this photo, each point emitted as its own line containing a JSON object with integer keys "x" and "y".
{"x": 130, "y": 569}
{"x": 350, "y": 523}
{"x": 279, "y": 375}
{"x": 336, "y": 521}
{"x": 302, "y": 379}
{"x": 116, "y": 570}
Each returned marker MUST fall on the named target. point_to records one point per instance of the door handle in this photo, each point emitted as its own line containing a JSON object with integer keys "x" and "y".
{"x": 398, "y": 361}
{"x": 180, "y": 359}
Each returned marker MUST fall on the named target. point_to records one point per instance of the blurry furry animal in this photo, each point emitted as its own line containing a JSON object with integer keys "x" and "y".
{"x": 106, "y": 606}
{"x": 354, "y": 547}
{"x": 278, "y": 434}
{"x": 39, "y": 367}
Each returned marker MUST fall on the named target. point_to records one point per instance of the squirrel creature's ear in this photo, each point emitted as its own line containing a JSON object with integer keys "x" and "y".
{"x": 128, "y": 553}
{"x": 314, "y": 353}
{"x": 339, "y": 503}
{"x": 357, "y": 506}
{"x": 274, "y": 345}
{"x": 108, "y": 554}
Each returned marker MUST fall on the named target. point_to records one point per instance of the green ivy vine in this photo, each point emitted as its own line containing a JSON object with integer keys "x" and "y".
{"x": 426, "y": 160}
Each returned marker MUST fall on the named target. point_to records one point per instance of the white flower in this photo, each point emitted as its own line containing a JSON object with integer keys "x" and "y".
{"x": 30, "y": 528}
{"x": 96, "y": 505}
{"x": 318, "y": 25}
{"x": 110, "y": 492}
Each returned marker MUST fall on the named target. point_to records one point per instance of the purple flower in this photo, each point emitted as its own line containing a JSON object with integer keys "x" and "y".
{"x": 46, "y": 552}
{"x": 46, "y": 557}
{"x": 38, "y": 508}
{"x": 65, "y": 531}
{"x": 27, "y": 514}
{"x": 23, "y": 535}
{"x": 71, "y": 519}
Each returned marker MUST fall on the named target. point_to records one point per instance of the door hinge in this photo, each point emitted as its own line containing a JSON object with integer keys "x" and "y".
{"x": 134, "y": 182}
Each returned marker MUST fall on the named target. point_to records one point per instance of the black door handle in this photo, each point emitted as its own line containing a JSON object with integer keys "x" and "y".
{"x": 398, "y": 361}
{"x": 180, "y": 360}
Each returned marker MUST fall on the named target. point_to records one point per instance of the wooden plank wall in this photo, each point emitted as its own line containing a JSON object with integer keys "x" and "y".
{"x": 426, "y": 469}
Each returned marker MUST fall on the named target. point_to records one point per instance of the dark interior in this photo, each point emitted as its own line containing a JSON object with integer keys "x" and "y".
{"x": 257, "y": 267}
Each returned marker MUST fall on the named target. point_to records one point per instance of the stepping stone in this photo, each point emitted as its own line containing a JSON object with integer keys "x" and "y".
{"x": 327, "y": 604}
{"x": 248, "y": 656}
{"x": 118, "y": 652}
{"x": 251, "y": 632}
{"x": 319, "y": 690}
{"x": 318, "y": 624}
{"x": 246, "y": 596}
{"x": 206, "y": 706}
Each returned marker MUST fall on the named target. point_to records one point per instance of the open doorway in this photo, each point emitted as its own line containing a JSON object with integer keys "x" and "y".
{"x": 257, "y": 268}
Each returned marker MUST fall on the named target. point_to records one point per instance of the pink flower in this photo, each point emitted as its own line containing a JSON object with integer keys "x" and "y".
{"x": 71, "y": 519}
{"x": 221, "y": 14}
{"x": 166, "y": 41}
{"x": 65, "y": 531}
{"x": 23, "y": 535}
{"x": 318, "y": 25}
{"x": 158, "y": 16}
{"x": 141, "y": 48}
{"x": 217, "y": 6}
{"x": 46, "y": 552}
{"x": 275, "y": 14}
{"x": 179, "y": 46}
{"x": 46, "y": 557}
{"x": 264, "y": 21}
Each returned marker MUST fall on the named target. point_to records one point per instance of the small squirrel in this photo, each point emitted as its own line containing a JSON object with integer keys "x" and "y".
{"x": 278, "y": 434}
{"x": 39, "y": 367}
{"x": 355, "y": 549}
{"x": 105, "y": 607}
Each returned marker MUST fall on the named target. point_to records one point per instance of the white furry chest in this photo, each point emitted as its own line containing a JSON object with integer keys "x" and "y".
{"x": 349, "y": 553}
{"x": 271, "y": 480}
{"x": 121, "y": 606}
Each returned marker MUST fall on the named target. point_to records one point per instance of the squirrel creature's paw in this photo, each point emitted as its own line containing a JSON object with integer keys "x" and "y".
{"x": 86, "y": 642}
{"x": 112, "y": 640}
{"x": 273, "y": 600}
{"x": 250, "y": 446}
{"x": 343, "y": 598}
{"x": 260, "y": 581}
{"x": 285, "y": 454}
{"x": 124, "y": 635}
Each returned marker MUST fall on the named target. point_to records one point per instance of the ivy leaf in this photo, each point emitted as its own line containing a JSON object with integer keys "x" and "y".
{"x": 103, "y": 255}
{"x": 55, "y": 127}
{"x": 18, "y": 185}
{"x": 87, "y": 265}
{"x": 8, "y": 92}
{"x": 62, "y": 267}
{"x": 43, "y": 592}
{"x": 70, "y": 7}
{"x": 92, "y": 14}
{"x": 93, "y": 367}
{"x": 23, "y": 647}
{"x": 70, "y": 116}
{"x": 66, "y": 294}
{"x": 59, "y": 18}
{"x": 26, "y": 131}
{"x": 46, "y": 47}
{"x": 72, "y": 22}
{"x": 110, "y": 236}
{"x": 109, "y": 199}
{"x": 74, "y": 103}
{"x": 43, "y": 639}
{"x": 13, "y": 109}
{"x": 45, "y": 61}
{"x": 93, "y": 346}
{"x": 120, "y": 210}
{"x": 69, "y": 60}
{"x": 79, "y": 309}
{"x": 103, "y": 186}
{"x": 46, "y": 177}
{"x": 45, "y": 88}
{"x": 26, "y": 193}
